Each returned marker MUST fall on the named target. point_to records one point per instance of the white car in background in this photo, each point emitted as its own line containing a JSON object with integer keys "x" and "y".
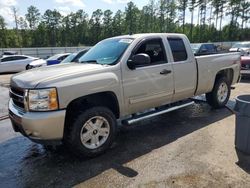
{"x": 36, "y": 63}
{"x": 56, "y": 59}
{"x": 15, "y": 63}
{"x": 242, "y": 47}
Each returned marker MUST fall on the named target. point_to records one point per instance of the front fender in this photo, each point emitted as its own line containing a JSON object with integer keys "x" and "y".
{"x": 87, "y": 85}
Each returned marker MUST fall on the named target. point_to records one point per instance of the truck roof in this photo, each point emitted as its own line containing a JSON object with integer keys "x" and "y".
{"x": 142, "y": 35}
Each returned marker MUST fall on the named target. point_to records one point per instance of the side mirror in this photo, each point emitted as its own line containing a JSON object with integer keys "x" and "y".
{"x": 138, "y": 60}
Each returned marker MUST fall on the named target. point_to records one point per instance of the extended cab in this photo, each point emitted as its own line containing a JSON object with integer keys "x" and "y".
{"x": 119, "y": 78}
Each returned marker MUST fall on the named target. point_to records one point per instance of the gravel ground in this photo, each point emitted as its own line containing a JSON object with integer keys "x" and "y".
{"x": 191, "y": 147}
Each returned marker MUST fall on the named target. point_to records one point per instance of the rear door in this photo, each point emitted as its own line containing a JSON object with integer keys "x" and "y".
{"x": 6, "y": 64}
{"x": 21, "y": 62}
{"x": 184, "y": 67}
{"x": 149, "y": 85}
{"x": 13, "y": 64}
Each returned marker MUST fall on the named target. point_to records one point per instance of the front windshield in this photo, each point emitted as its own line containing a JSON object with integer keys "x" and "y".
{"x": 106, "y": 52}
{"x": 69, "y": 58}
{"x": 241, "y": 45}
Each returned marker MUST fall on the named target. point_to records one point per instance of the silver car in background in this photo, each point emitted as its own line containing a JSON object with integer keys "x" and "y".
{"x": 15, "y": 63}
{"x": 242, "y": 47}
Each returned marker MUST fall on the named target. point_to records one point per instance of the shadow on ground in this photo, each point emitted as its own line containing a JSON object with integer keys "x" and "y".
{"x": 25, "y": 164}
{"x": 7, "y": 73}
{"x": 243, "y": 161}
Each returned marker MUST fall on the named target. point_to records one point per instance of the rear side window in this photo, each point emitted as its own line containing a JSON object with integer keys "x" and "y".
{"x": 13, "y": 58}
{"x": 178, "y": 49}
{"x": 7, "y": 59}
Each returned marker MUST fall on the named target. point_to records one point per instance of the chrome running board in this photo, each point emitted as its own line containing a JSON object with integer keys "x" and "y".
{"x": 151, "y": 114}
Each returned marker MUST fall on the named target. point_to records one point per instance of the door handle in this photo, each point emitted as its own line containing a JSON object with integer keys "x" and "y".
{"x": 165, "y": 71}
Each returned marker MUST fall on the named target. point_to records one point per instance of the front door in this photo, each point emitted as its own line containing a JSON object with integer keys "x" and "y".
{"x": 149, "y": 85}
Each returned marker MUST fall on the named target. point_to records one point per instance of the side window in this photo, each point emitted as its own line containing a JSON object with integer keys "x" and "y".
{"x": 155, "y": 49}
{"x": 13, "y": 58}
{"x": 62, "y": 57}
{"x": 7, "y": 59}
{"x": 19, "y": 58}
{"x": 178, "y": 49}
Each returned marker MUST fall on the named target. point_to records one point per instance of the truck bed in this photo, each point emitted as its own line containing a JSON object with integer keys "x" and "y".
{"x": 209, "y": 65}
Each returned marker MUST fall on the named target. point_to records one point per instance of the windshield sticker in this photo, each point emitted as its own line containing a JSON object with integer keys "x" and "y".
{"x": 128, "y": 41}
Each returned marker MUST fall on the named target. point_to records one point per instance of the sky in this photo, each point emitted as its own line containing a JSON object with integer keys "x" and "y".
{"x": 67, "y": 6}
{"x": 63, "y": 6}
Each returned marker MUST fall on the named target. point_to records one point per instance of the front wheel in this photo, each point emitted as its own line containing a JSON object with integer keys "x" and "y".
{"x": 92, "y": 132}
{"x": 220, "y": 94}
{"x": 28, "y": 67}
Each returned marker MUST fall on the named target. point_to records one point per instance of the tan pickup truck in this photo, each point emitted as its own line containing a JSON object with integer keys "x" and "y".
{"x": 120, "y": 78}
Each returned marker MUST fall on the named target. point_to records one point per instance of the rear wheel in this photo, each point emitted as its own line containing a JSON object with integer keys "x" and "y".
{"x": 220, "y": 94}
{"x": 92, "y": 132}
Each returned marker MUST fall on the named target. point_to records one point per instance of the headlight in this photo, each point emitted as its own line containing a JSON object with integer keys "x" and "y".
{"x": 42, "y": 99}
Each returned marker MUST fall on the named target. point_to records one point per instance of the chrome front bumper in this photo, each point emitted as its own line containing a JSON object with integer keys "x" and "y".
{"x": 38, "y": 126}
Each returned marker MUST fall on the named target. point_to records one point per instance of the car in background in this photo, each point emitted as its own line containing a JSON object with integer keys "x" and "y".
{"x": 53, "y": 60}
{"x": 36, "y": 63}
{"x": 204, "y": 49}
{"x": 56, "y": 59}
{"x": 74, "y": 57}
{"x": 245, "y": 65}
{"x": 15, "y": 63}
{"x": 242, "y": 47}
{"x": 8, "y": 53}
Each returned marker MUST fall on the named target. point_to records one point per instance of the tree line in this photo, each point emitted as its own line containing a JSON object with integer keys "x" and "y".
{"x": 78, "y": 28}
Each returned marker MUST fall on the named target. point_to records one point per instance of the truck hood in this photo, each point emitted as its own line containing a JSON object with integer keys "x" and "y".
{"x": 33, "y": 77}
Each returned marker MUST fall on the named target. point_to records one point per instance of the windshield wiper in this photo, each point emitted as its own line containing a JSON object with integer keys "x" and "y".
{"x": 89, "y": 61}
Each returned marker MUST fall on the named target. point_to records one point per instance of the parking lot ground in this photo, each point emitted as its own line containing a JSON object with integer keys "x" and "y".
{"x": 5, "y": 79}
{"x": 191, "y": 147}
{"x": 4, "y": 93}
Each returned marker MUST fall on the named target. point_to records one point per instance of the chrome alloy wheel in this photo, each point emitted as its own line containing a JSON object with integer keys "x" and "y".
{"x": 222, "y": 92}
{"x": 95, "y": 132}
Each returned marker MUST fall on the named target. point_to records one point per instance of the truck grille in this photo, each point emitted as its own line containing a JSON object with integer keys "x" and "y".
{"x": 17, "y": 96}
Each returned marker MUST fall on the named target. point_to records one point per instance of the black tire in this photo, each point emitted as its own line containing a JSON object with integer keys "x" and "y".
{"x": 73, "y": 136}
{"x": 28, "y": 67}
{"x": 213, "y": 97}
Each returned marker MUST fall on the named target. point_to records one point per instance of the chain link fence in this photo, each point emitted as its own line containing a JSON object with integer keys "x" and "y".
{"x": 43, "y": 52}
{"x": 49, "y": 51}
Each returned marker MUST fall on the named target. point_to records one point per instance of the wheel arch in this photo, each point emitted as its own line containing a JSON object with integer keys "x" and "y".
{"x": 227, "y": 73}
{"x": 107, "y": 99}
